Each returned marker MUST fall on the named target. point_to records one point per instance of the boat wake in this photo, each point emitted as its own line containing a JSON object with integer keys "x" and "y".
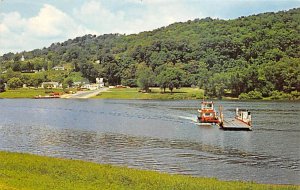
{"x": 193, "y": 119}
{"x": 277, "y": 130}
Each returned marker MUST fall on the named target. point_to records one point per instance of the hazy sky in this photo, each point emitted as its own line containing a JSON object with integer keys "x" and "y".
{"x": 31, "y": 24}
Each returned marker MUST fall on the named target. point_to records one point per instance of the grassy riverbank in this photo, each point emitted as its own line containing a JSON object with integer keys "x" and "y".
{"x": 132, "y": 93}
{"x": 24, "y": 171}
{"x": 26, "y": 93}
{"x": 116, "y": 93}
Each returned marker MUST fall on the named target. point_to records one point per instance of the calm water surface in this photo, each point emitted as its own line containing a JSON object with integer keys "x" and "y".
{"x": 158, "y": 135}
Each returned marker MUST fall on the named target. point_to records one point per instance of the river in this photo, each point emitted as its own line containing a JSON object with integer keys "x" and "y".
{"x": 158, "y": 135}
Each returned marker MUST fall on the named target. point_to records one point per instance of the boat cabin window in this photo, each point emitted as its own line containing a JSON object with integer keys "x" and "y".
{"x": 207, "y": 106}
{"x": 208, "y": 114}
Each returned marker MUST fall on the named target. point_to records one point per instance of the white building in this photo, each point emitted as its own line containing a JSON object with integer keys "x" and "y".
{"x": 95, "y": 86}
{"x": 51, "y": 85}
{"x": 77, "y": 84}
{"x": 58, "y": 68}
{"x": 100, "y": 82}
{"x": 90, "y": 86}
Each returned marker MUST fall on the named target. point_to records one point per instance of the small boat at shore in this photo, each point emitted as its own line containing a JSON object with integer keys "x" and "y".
{"x": 47, "y": 96}
{"x": 50, "y": 96}
{"x": 207, "y": 114}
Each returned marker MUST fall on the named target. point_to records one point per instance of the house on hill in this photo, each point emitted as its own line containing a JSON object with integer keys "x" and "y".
{"x": 58, "y": 68}
{"x": 100, "y": 82}
{"x": 90, "y": 86}
{"x": 51, "y": 85}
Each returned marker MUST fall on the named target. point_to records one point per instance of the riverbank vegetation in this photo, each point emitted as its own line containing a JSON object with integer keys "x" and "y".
{"x": 24, "y": 171}
{"x": 153, "y": 93}
{"x": 253, "y": 57}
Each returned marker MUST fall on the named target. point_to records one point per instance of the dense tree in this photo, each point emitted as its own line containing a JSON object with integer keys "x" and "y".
{"x": 170, "y": 77}
{"x": 16, "y": 66}
{"x": 14, "y": 83}
{"x": 2, "y": 86}
{"x": 145, "y": 77}
{"x": 68, "y": 82}
{"x": 37, "y": 80}
{"x": 215, "y": 86}
{"x": 284, "y": 75}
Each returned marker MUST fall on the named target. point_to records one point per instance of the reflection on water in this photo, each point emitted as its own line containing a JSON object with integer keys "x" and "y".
{"x": 156, "y": 135}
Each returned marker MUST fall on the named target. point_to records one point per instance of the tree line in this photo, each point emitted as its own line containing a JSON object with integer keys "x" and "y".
{"x": 251, "y": 57}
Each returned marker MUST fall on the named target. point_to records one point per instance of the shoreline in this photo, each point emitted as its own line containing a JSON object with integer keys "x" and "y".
{"x": 129, "y": 94}
{"x": 23, "y": 170}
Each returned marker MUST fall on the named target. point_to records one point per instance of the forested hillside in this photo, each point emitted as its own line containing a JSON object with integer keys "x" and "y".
{"x": 255, "y": 56}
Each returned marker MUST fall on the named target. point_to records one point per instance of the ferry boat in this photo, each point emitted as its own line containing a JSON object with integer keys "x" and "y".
{"x": 208, "y": 114}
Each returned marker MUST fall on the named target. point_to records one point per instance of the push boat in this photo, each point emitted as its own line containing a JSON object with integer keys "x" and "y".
{"x": 207, "y": 114}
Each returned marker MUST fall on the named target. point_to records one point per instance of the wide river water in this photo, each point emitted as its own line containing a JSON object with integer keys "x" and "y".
{"x": 158, "y": 135}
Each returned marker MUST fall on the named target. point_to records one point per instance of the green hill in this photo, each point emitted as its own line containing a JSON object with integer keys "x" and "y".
{"x": 255, "y": 56}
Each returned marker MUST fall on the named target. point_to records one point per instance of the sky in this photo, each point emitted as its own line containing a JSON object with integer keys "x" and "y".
{"x": 30, "y": 24}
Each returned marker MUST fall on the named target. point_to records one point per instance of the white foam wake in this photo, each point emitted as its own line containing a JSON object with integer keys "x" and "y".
{"x": 190, "y": 118}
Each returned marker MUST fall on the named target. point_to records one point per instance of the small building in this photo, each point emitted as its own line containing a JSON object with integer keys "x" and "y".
{"x": 91, "y": 86}
{"x": 58, "y": 68}
{"x": 51, "y": 85}
{"x": 80, "y": 83}
{"x": 77, "y": 84}
{"x": 22, "y": 58}
{"x": 100, "y": 82}
{"x": 30, "y": 71}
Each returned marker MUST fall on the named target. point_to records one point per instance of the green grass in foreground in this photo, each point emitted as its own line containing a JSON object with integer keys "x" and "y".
{"x": 24, "y": 171}
{"x": 25, "y": 93}
{"x": 132, "y": 93}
